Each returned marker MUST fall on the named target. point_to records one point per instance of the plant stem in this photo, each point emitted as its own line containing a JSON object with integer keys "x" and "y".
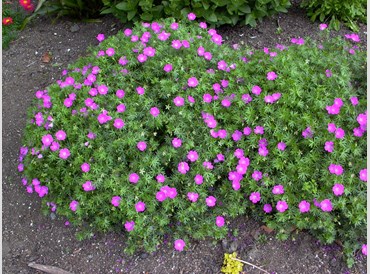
{"x": 250, "y": 264}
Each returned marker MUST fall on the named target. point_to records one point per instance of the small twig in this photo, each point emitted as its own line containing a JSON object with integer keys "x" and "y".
{"x": 48, "y": 269}
{"x": 250, "y": 264}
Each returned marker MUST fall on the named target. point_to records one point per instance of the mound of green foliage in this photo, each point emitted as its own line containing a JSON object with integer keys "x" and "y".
{"x": 165, "y": 130}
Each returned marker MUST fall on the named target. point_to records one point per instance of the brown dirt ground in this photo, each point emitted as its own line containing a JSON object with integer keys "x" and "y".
{"x": 28, "y": 236}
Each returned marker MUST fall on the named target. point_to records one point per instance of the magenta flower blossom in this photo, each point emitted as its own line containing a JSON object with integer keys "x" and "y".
{"x": 358, "y": 132}
{"x": 307, "y": 133}
{"x": 193, "y": 197}
{"x": 363, "y": 175}
{"x": 278, "y": 189}
{"x": 328, "y": 73}
{"x": 338, "y": 189}
{"x": 255, "y": 197}
{"x": 256, "y": 90}
{"x": 120, "y": 93}
{"x": 141, "y": 145}
{"x": 271, "y": 76}
{"x": 179, "y": 245}
{"x": 172, "y": 193}
{"x": 329, "y": 146}
{"x": 116, "y": 200}
{"x": 222, "y": 65}
{"x": 235, "y": 185}
{"x": 237, "y": 135}
{"x": 64, "y": 153}
{"x": 154, "y": 111}
{"x": 220, "y": 221}
{"x": 73, "y": 205}
{"x": 217, "y": 39}
{"x": 304, "y": 206}
{"x": 103, "y": 90}
{"x": 281, "y": 146}
{"x": 110, "y": 51}
{"x": 326, "y": 205}
{"x": 47, "y": 140}
{"x": 192, "y": 82}
{"x": 88, "y": 186}
{"x": 267, "y": 208}
{"x": 211, "y": 201}
{"x": 208, "y": 56}
{"x": 140, "y": 206}
{"x": 142, "y": 58}
{"x": 323, "y": 26}
{"x": 160, "y": 196}
{"x": 176, "y": 142}
{"x": 179, "y": 101}
{"x": 339, "y": 133}
{"x": 198, "y": 179}
{"x": 68, "y": 102}
{"x": 183, "y": 167}
{"x": 364, "y": 249}
{"x": 20, "y": 167}
{"x": 247, "y": 131}
{"x": 208, "y": 165}
{"x": 257, "y": 175}
{"x": 281, "y": 206}
{"x": 263, "y": 151}
{"x": 133, "y": 178}
{"x": 220, "y": 157}
{"x": 191, "y": 16}
{"x": 192, "y": 156}
{"x": 174, "y": 26}
{"x": 100, "y": 37}
{"x": 354, "y": 37}
{"x": 336, "y": 169}
{"x": 331, "y": 127}
{"x": 118, "y": 123}
{"x": 354, "y": 101}
{"x": 176, "y": 44}
{"x": 259, "y": 130}
{"x": 149, "y": 51}
{"x": 207, "y": 98}
{"x": 85, "y": 167}
{"x": 362, "y": 119}
{"x": 185, "y": 43}
{"x": 129, "y": 226}
{"x": 54, "y": 146}
{"x": 167, "y": 68}
{"x": 191, "y": 99}
{"x": 160, "y": 178}
{"x": 123, "y": 61}
{"x": 200, "y": 51}
{"x": 121, "y": 108}
{"x": 203, "y": 25}
{"x": 140, "y": 90}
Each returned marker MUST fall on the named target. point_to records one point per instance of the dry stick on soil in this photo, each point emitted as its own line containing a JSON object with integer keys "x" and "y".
{"x": 49, "y": 269}
{"x": 249, "y": 264}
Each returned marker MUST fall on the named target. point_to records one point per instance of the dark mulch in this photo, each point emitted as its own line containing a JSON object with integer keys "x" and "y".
{"x": 30, "y": 237}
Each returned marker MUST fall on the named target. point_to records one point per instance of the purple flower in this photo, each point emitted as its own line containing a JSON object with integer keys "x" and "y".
{"x": 172, "y": 192}
{"x": 208, "y": 56}
{"x": 141, "y": 145}
{"x": 304, "y": 206}
{"x": 85, "y": 167}
{"x": 354, "y": 37}
{"x": 278, "y": 189}
{"x": 88, "y": 186}
{"x": 247, "y": 131}
{"x": 176, "y": 44}
{"x": 120, "y": 93}
{"x": 192, "y": 82}
{"x": 203, "y": 25}
{"x": 183, "y": 167}
{"x": 191, "y": 16}
{"x": 220, "y": 157}
{"x": 323, "y": 26}
{"x": 116, "y": 200}
{"x": 191, "y": 99}
{"x": 237, "y": 135}
{"x": 364, "y": 249}
{"x": 140, "y": 206}
{"x": 259, "y": 130}
{"x": 363, "y": 175}
{"x": 267, "y": 208}
{"x": 110, "y": 51}
{"x": 256, "y": 90}
{"x": 339, "y": 133}
{"x": 328, "y": 73}
{"x": 255, "y": 197}
{"x": 179, "y": 101}
{"x": 331, "y": 127}
{"x": 154, "y": 111}
{"x": 64, "y": 153}
{"x": 338, "y": 189}
{"x": 167, "y": 68}
{"x": 362, "y": 119}
{"x": 133, "y": 178}
{"x": 160, "y": 196}
{"x": 129, "y": 226}
{"x": 281, "y": 206}
{"x": 329, "y": 146}
{"x": 193, "y": 197}
{"x": 179, "y": 245}
{"x": 263, "y": 151}
{"x": 142, "y": 58}
{"x": 174, "y": 26}
{"x": 207, "y": 98}
{"x": 326, "y": 205}
{"x": 140, "y": 90}
{"x": 307, "y": 133}
{"x": 176, "y": 142}
{"x": 220, "y": 221}
{"x": 100, "y": 37}
{"x": 198, "y": 179}
{"x": 73, "y": 205}
{"x": 211, "y": 201}
{"x": 121, "y": 108}
{"x": 192, "y": 155}
{"x": 257, "y": 175}
{"x": 149, "y": 51}
{"x": 118, "y": 123}
{"x": 160, "y": 178}
{"x": 103, "y": 90}
{"x": 47, "y": 140}
{"x": 354, "y": 101}
{"x": 281, "y": 146}
{"x": 271, "y": 75}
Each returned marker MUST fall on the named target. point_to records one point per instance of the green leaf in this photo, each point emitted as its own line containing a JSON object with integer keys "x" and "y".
{"x": 146, "y": 16}
{"x": 123, "y": 6}
{"x": 245, "y": 9}
{"x": 131, "y": 14}
{"x": 250, "y": 20}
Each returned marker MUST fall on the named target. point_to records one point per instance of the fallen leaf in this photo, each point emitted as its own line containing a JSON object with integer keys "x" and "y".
{"x": 267, "y": 229}
{"x": 46, "y": 57}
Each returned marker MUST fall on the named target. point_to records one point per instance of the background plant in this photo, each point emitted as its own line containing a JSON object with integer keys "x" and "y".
{"x": 348, "y": 12}
{"x": 163, "y": 130}
{"x": 13, "y": 15}
{"x": 216, "y": 12}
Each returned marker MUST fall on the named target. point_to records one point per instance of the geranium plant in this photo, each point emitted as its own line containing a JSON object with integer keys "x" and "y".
{"x": 165, "y": 130}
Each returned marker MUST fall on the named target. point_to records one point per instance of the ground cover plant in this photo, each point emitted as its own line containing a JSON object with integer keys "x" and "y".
{"x": 165, "y": 131}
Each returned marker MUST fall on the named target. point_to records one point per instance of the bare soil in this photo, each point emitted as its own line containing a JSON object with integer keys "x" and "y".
{"x": 28, "y": 236}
